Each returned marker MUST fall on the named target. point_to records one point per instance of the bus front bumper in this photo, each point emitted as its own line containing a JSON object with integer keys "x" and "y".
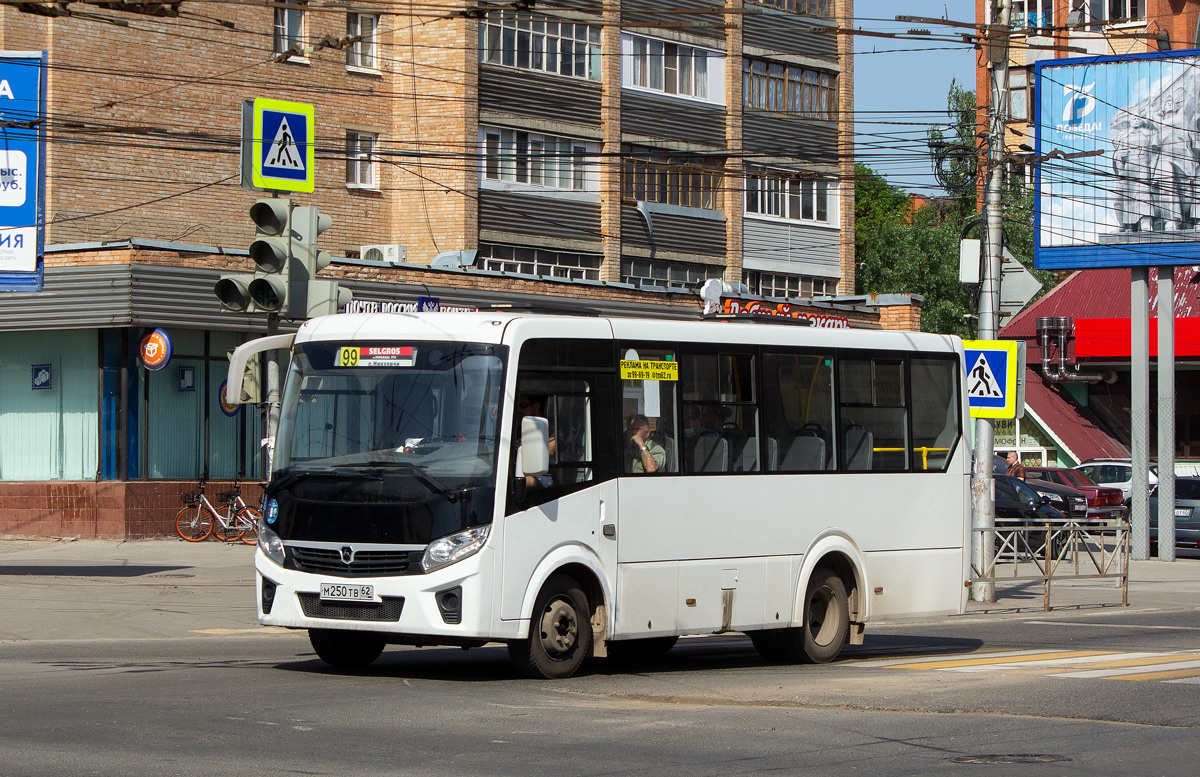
{"x": 411, "y": 607}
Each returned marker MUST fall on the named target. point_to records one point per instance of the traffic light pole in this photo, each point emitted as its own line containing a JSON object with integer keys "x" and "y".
{"x": 982, "y": 483}
{"x": 270, "y": 408}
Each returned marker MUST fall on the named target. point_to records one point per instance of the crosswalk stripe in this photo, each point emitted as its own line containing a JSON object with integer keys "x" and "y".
{"x": 998, "y": 659}
{"x": 1160, "y": 670}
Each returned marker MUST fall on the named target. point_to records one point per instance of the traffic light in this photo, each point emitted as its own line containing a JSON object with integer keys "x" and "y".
{"x": 266, "y": 290}
{"x": 308, "y": 297}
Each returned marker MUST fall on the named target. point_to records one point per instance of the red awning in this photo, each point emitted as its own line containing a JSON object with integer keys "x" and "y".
{"x": 1073, "y": 425}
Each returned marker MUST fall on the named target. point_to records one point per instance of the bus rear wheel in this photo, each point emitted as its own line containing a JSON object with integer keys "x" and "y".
{"x": 826, "y": 625}
{"x": 560, "y": 632}
{"x": 826, "y": 617}
{"x": 346, "y": 649}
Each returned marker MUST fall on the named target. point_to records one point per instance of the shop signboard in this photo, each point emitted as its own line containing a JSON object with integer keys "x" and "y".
{"x": 22, "y": 168}
{"x": 1118, "y": 184}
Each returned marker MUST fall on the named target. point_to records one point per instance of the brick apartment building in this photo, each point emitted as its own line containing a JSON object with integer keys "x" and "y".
{"x": 618, "y": 153}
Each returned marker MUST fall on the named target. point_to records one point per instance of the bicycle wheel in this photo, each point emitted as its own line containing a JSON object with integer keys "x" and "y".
{"x": 193, "y": 523}
{"x": 226, "y": 528}
{"x": 247, "y": 522}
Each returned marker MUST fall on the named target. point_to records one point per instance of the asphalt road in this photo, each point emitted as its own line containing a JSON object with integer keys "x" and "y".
{"x": 110, "y": 664}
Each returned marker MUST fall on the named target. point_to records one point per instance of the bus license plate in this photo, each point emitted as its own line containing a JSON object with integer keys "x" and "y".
{"x": 340, "y": 592}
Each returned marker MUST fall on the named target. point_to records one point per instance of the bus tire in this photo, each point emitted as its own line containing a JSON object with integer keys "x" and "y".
{"x": 634, "y": 651}
{"x": 346, "y": 649}
{"x": 560, "y": 632}
{"x": 826, "y": 617}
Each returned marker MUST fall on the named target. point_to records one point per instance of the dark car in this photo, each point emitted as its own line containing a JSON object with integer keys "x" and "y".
{"x": 1187, "y": 515}
{"x": 1102, "y": 501}
{"x": 1018, "y": 505}
{"x": 1069, "y": 501}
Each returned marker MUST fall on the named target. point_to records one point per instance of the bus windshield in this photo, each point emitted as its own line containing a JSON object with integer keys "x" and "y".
{"x": 422, "y": 415}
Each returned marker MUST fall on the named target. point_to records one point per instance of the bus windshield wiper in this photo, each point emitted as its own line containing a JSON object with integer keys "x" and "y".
{"x": 303, "y": 474}
{"x": 427, "y": 480}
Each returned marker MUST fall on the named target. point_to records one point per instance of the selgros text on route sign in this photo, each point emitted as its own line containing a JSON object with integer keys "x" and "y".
{"x": 278, "y": 146}
{"x": 995, "y": 378}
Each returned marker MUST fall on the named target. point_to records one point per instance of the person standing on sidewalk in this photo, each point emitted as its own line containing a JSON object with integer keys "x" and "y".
{"x": 1015, "y": 467}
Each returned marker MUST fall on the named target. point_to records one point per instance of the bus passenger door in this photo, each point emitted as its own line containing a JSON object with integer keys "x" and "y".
{"x": 569, "y": 515}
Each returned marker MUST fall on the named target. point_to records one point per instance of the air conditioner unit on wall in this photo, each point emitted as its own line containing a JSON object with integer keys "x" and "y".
{"x": 392, "y": 254}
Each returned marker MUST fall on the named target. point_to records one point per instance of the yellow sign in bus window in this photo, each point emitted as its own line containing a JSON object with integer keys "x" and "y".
{"x": 347, "y": 357}
{"x": 647, "y": 370}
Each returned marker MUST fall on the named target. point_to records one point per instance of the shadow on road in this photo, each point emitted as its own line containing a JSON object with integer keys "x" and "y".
{"x": 69, "y": 570}
{"x": 491, "y": 664}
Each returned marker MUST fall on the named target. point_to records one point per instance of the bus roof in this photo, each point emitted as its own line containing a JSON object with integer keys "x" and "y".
{"x": 493, "y": 327}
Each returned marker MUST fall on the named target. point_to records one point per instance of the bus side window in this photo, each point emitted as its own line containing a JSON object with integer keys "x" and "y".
{"x": 798, "y": 412}
{"x": 874, "y": 422}
{"x": 652, "y": 397}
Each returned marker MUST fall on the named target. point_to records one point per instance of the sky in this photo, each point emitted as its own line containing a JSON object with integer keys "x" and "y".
{"x": 900, "y": 86}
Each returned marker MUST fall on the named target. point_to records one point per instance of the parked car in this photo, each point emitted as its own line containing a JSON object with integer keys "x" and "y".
{"x": 1187, "y": 515}
{"x": 1019, "y": 505}
{"x": 1103, "y": 502}
{"x": 1069, "y": 501}
{"x": 1117, "y": 473}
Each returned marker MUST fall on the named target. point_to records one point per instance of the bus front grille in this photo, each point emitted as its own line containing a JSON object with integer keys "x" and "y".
{"x": 366, "y": 563}
{"x": 388, "y": 610}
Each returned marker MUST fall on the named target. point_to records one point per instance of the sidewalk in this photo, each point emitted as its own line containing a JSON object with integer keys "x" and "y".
{"x": 107, "y": 589}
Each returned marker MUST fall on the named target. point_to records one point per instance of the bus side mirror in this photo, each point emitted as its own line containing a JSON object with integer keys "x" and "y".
{"x": 535, "y": 445}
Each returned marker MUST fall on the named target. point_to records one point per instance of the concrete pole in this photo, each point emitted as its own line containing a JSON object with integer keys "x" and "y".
{"x": 983, "y": 498}
{"x": 1166, "y": 413}
{"x": 271, "y": 407}
{"x": 1139, "y": 406}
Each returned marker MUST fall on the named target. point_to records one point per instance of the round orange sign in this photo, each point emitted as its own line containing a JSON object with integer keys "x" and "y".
{"x": 155, "y": 350}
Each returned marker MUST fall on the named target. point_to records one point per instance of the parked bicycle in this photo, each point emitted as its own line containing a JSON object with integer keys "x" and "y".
{"x": 235, "y": 520}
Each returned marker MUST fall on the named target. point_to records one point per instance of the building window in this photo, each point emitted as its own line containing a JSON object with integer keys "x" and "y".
{"x": 672, "y": 275}
{"x": 540, "y": 261}
{"x": 1032, "y": 13}
{"x": 794, "y": 199}
{"x": 362, "y": 52}
{"x": 1094, "y": 14}
{"x": 289, "y": 27}
{"x": 520, "y": 39}
{"x": 1126, "y": 10}
{"x": 787, "y": 286}
{"x": 1019, "y": 94}
{"x": 360, "y": 159}
{"x": 772, "y": 86}
{"x": 822, "y": 8}
{"x": 534, "y": 159}
{"x": 670, "y": 181}
{"x": 672, "y": 68}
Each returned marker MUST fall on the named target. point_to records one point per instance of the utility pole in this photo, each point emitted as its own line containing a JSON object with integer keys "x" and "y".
{"x": 982, "y": 483}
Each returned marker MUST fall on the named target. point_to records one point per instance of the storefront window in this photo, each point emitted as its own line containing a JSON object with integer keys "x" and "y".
{"x": 51, "y": 408}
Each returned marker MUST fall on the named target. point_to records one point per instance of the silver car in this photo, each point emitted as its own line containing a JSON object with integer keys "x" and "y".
{"x": 1187, "y": 514}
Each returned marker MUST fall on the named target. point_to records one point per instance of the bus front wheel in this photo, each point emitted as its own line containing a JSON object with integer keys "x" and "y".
{"x": 346, "y": 649}
{"x": 560, "y": 632}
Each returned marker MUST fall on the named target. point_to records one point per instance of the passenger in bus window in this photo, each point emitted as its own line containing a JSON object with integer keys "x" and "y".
{"x": 645, "y": 455}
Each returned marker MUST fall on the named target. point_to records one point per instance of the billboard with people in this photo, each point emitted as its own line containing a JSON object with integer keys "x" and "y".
{"x": 1118, "y": 176}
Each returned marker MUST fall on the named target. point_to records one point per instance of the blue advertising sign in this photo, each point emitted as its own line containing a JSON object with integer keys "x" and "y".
{"x": 22, "y": 168}
{"x": 1136, "y": 201}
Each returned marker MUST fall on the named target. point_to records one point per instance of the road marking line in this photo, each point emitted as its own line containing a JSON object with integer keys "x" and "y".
{"x": 1125, "y": 674}
{"x": 1188, "y": 680}
{"x": 1112, "y": 625}
{"x": 994, "y": 659}
{"x": 984, "y": 653}
{"x": 226, "y": 632}
{"x": 1099, "y": 661}
{"x": 1178, "y": 673}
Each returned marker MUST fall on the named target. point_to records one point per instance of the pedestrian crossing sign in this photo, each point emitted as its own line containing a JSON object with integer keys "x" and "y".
{"x": 995, "y": 371}
{"x": 278, "y": 146}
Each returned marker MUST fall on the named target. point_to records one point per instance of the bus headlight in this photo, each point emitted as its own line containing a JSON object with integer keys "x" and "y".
{"x": 270, "y": 543}
{"x": 454, "y": 547}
